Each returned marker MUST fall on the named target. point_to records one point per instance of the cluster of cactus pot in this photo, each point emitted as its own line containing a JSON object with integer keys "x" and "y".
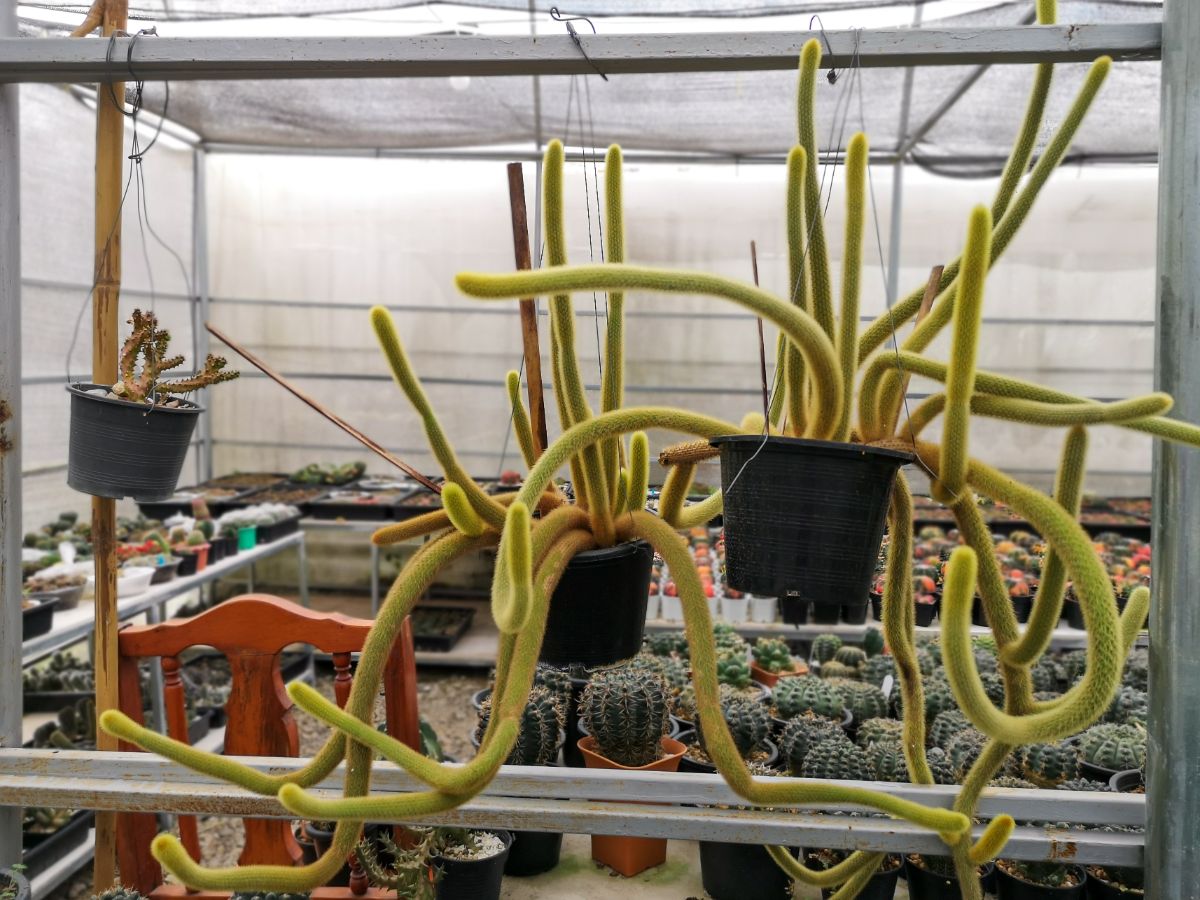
{"x": 835, "y": 385}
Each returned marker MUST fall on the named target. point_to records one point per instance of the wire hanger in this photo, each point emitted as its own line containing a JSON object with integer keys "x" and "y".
{"x": 567, "y": 20}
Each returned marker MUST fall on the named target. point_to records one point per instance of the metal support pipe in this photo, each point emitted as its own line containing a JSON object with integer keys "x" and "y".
{"x": 200, "y": 286}
{"x": 1173, "y": 767}
{"x": 10, "y": 435}
{"x": 893, "y": 269}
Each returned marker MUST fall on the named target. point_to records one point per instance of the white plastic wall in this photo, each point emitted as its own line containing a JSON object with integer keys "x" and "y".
{"x": 1076, "y": 288}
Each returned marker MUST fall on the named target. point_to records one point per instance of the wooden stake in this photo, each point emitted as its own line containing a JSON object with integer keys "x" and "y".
{"x": 110, "y": 15}
{"x": 529, "y": 325}
{"x": 337, "y": 420}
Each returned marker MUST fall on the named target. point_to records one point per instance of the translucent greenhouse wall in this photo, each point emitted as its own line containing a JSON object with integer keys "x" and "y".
{"x": 57, "y": 184}
{"x": 1070, "y": 305}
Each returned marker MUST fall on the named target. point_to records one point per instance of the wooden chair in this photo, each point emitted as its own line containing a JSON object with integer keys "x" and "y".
{"x": 251, "y": 631}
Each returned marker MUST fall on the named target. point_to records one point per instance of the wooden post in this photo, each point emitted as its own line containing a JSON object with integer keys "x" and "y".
{"x": 529, "y": 325}
{"x": 109, "y": 16}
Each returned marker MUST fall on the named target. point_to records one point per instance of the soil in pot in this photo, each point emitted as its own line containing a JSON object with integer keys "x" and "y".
{"x": 1039, "y": 881}
{"x": 769, "y": 679}
{"x": 934, "y": 879}
{"x": 121, "y": 449}
{"x": 475, "y": 875}
{"x": 598, "y": 610}
{"x": 805, "y": 516}
{"x": 630, "y": 855}
{"x": 741, "y": 872}
{"x": 1105, "y": 883}
{"x": 696, "y": 760}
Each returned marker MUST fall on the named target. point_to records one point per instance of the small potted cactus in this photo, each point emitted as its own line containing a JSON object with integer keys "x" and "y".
{"x": 1107, "y": 748}
{"x": 443, "y": 863}
{"x": 538, "y": 742}
{"x": 193, "y": 550}
{"x": 1021, "y": 879}
{"x": 1115, "y": 883}
{"x": 13, "y": 883}
{"x": 882, "y": 885}
{"x": 933, "y": 877}
{"x": 749, "y": 724}
{"x": 625, "y": 711}
{"x": 129, "y": 439}
{"x": 772, "y": 660}
{"x": 794, "y": 697}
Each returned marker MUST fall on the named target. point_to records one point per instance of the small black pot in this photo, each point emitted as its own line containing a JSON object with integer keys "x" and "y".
{"x": 533, "y": 852}
{"x": 1097, "y": 773}
{"x": 21, "y": 884}
{"x": 793, "y": 610}
{"x": 187, "y": 564}
{"x": 1126, "y": 782}
{"x": 322, "y": 840}
{"x": 804, "y": 517}
{"x": 572, "y": 758}
{"x": 475, "y": 879}
{"x": 882, "y": 886}
{"x": 37, "y": 619}
{"x": 308, "y": 850}
{"x": 1022, "y": 607}
{"x": 120, "y": 449}
{"x": 687, "y": 764}
{"x": 1073, "y": 613}
{"x": 598, "y": 610}
{"x": 826, "y": 615}
{"x": 1009, "y": 887}
{"x": 923, "y": 613}
{"x": 741, "y": 872}
{"x": 1099, "y": 889}
{"x": 854, "y": 613}
{"x": 978, "y": 616}
{"x": 167, "y": 571}
{"x": 926, "y": 885}
{"x": 877, "y": 606}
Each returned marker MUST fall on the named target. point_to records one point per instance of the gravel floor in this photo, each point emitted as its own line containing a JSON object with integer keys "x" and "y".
{"x": 445, "y": 702}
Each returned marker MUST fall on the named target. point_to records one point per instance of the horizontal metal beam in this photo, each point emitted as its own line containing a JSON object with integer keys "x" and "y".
{"x": 193, "y": 59}
{"x": 529, "y": 798}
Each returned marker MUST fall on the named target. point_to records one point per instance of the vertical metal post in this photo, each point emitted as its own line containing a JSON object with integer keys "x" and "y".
{"x": 302, "y": 578}
{"x": 200, "y": 286}
{"x": 10, "y": 434}
{"x": 893, "y": 269}
{"x": 1173, "y": 767}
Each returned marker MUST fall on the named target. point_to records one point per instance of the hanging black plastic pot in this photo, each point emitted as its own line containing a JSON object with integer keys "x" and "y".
{"x": 598, "y": 611}
{"x": 804, "y": 517}
{"x": 121, "y": 449}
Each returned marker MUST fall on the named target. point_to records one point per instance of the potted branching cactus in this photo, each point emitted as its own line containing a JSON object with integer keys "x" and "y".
{"x": 129, "y": 439}
{"x": 625, "y": 711}
{"x": 829, "y": 369}
{"x": 439, "y": 863}
{"x": 772, "y": 660}
{"x": 541, "y": 735}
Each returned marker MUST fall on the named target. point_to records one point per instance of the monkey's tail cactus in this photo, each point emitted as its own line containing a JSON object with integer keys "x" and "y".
{"x": 626, "y": 712}
{"x": 794, "y": 696}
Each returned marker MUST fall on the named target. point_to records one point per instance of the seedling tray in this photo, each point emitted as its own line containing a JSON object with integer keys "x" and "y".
{"x": 359, "y": 505}
{"x": 41, "y": 851}
{"x": 438, "y": 628}
{"x": 418, "y": 503}
{"x": 299, "y": 496}
{"x": 247, "y": 481}
{"x": 53, "y": 701}
{"x": 220, "y": 499}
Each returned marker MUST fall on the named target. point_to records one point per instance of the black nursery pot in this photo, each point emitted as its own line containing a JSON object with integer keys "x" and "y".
{"x": 121, "y": 449}
{"x": 854, "y": 613}
{"x": 474, "y": 879}
{"x": 923, "y": 613}
{"x": 533, "y": 852}
{"x": 741, "y": 872}
{"x": 1073, "y": 613}
{"x": 805, "y": 517}
{"x": 793, "y": 610}
{"x": 1022, "y": 607}
{"x": 38, "y": 619}
{"x": 823, "y": 614}
{"x": 1099, "y": 889}
{"x": 1009, "y": 887}
{"x": 1127, "y": 781}
{"x": 926, "y": 885}
{"x": 877, "y": 606}
{"x": 882, "y": 886}
{"x": 598, "y": 611}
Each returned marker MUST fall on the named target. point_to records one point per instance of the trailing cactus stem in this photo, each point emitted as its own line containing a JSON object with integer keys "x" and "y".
{"x": 856, "y": 862}
{"x": 612, "y": 387}
{"x": 639, "y": 471}
{"x": 856, "y": 882}
{"x": 520, "y": 417}
{"x": 847, "y": 333}
{"x": 790, "y": 360}
{"x": 674, "y": 491}
{"x": 819, "y": 356}
{"x": 462, "y": 514}
{"x": 814, "y": 221}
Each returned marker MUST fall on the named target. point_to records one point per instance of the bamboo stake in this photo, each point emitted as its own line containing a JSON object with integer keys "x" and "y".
{"x": 110, "y": 16}
{"x": 337, "y": 420}
{"x": 529, "y": 325}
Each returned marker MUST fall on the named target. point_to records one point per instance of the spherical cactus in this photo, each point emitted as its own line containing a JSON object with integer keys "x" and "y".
{"x": 727, "y": 639}
{"x": 1048, "y": 765}
{"x": 873, "y": 641}
{"x": 124, "y": 893}
{"x": 677, "y": 672}
{"x": 1137, "y": 670}
{"x": 1046, "y": 675}
{"x": 873, "y": 731}
{"x": 794, "y": 696}
{"x": 625, "y": 710}
{"x": 733, "y": 670}
{"x": 666, "y": 643}
{"x": 940, "y": 766}
{"x": 964, "y": 748}
{"x": 824, "y": 646}
{"x": 1011, "y": 781}
{"x": 945, "y": 726}
{"x": 1083, "y": 784}
{"x": 557, "y": 682}
{"x": 835, "y": 669}
{"x": 1074, "y": 664}
{"x": 855, "y": 657}
{"x": 938, "y": 697}
{"x": 195, "y": 538}
{"x": 748, "y": 721}
{"x": 239, "y": 895}
{"x": 865, "y": 701}
{"x": 878, "y": 668}
{"x": 800, "y": 735}
{"x": 772, "y": 655}
{"x": 1129, "y": 707}
{"x": 993, "y": 686}
{"x": 887, "y": 761}
{"x": 647, "y": 661}
{"x": 683, "y": 703}
{"x": 932, "y": 651}
{"x": 1111, "y": 746}
{"x": 836, "y": 759}
{"x": 542, "y": 723}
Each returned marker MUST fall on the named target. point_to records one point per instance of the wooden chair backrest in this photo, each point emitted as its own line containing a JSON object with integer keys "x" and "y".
{"x": 251, "y": 631}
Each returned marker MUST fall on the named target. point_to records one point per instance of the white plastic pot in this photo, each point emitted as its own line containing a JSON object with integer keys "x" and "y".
{"x": 671, "y": 609}
{"x": 763, "y": 609}
{"x": 131, "y": 581}
{"x": 735, "y": 610}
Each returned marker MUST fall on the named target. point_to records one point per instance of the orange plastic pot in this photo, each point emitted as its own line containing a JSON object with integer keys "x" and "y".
{"x": 630, "y": 855}
{"x": 762, "y": 676}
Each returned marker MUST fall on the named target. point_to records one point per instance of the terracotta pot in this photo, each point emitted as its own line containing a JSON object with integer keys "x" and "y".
{"x": 762, "y": 676}
{"x": 630, "y": 855}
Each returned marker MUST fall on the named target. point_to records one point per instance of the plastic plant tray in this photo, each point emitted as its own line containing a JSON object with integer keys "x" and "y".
{"x": 360, "y": 505}
{"x": 438, "y": 628}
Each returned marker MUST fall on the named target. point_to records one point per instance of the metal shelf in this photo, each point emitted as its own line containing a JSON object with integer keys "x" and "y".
{"x": 74, "y": 625}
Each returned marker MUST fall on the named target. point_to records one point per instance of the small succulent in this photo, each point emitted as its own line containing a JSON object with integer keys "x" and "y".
{"x": 875, "y": 730}
{"x": 772, "y": 655}
{"x": 940, "y": 766}
{"x": 946, "y": 725}
{"x": 727, "y": 639}
{"x": 557, "y": 682}
{"x": 195, "y": 538}
{"x": 1083, "y": 784}
{"x": 800, "y": 735}
{"x": 1041, "y": 872}
{"x": 840, "y": 671}
{"x": 824, "y": 646}
{"x": 1046, "y": 674}
{"x": 1115, "y": 747}
{"x": 795, "y": 696}
{"x": 887, "y": 761}
{"x": 542, "y": 722}
{"x": 1048, "y": 765}
{"x": 878, "y": 668}
{"x": 626, "y": 712}
{"x": 1137, "y": 669}
{"x": 964, "y": 748}
{"x": 837, "y": 759}
{"x": 748, "y": 722}
{"x": 733, "y": 670}
{"x": 854, "y": 657}
{"x": 264, "y": 895}
{"x": 677, "y": 672}
{"x": 667, "y": 643}
{"x": 865, "y": 701}
{"x": 1130, "y": 706}
{"x": 873, "y": 642}
{"x": 1011, "y": 781}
